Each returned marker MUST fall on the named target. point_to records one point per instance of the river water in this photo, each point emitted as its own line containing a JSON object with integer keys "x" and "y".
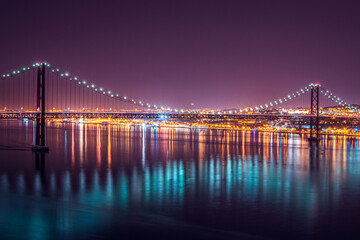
{"x": 136, "y": 182}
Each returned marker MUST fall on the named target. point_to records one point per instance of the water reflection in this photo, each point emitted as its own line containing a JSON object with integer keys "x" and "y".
{"x": 192, "y": 180}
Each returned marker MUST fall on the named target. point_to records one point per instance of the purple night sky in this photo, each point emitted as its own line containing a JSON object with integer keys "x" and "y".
{"x": 172, "y": 53}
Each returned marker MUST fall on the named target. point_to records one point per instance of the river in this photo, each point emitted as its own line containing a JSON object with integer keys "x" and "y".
{"x": 136, "y": 182}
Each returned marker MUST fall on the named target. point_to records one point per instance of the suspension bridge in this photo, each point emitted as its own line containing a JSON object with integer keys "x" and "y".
{"x": 43, "y": 92}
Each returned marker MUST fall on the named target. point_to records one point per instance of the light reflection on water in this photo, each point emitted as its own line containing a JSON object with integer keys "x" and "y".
{"x": 98, "y": 181}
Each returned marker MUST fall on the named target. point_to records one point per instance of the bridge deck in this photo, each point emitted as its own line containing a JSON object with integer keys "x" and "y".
{"x": 171, "y": 116}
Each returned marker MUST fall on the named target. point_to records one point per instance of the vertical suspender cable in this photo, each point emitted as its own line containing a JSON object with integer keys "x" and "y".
{"x": 28, "y": 90}
{"x": 13, "y": 93}
{"x": 83, "y": 97}
{"x": 1, "y": 93}
{"x": 67, "y": 93}
{"x": 70, "y": 98}
{"x": 57, "y": 92}
{"x": 61, "y": 93}
{"x": 79, "y": 106}
{"x": 52, "y": 92}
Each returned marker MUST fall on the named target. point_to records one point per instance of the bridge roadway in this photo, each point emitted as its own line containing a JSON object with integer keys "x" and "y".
{"x": 300, "y": 119}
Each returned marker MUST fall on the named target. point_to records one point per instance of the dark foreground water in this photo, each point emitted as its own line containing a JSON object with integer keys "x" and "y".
{"x": 134, "y": 182}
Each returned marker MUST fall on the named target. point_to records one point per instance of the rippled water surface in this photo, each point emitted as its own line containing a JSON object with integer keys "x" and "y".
{"x": 136, "y": 182}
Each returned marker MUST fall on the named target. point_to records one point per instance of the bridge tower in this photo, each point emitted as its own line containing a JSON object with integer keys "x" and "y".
{"x": 314, "y": 111}
{"x": 40, "y": 112}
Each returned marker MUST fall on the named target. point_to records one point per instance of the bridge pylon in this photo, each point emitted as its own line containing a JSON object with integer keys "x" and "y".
{"x": 40, "y": 137}
{"x": 314, "y": 112}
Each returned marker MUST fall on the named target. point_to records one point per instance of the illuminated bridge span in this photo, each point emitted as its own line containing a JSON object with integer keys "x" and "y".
{"x": 42, "y": 91}
{"x": 301, "y": 119}
{"x": 67, "y": 93}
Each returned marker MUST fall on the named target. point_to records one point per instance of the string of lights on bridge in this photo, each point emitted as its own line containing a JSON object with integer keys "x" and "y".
{"x": 90, "y": 86}
{"x": 297, "y": 94}
{"x": 110, "y": 93}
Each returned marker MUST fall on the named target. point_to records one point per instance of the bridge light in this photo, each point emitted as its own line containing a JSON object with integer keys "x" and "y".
{"x": 57, "y": 70}
{"x": 84, "y": 82}
{"x": 101, "y": 89}
{"x": 109, "y": 92}
{"x": 124, "y": 97}
{"x": 117, "y": 95}
{"x": 62, "y": 75}
{"x": 75, "y": 78}
{"x": 92, "y": 85}
{"x": 66, "y": 74}
{"x": 53, "y": 70}
{"x": 87, "y": 86}
{"x": 96, "y": 89}
{"x": 14, "y": 72}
